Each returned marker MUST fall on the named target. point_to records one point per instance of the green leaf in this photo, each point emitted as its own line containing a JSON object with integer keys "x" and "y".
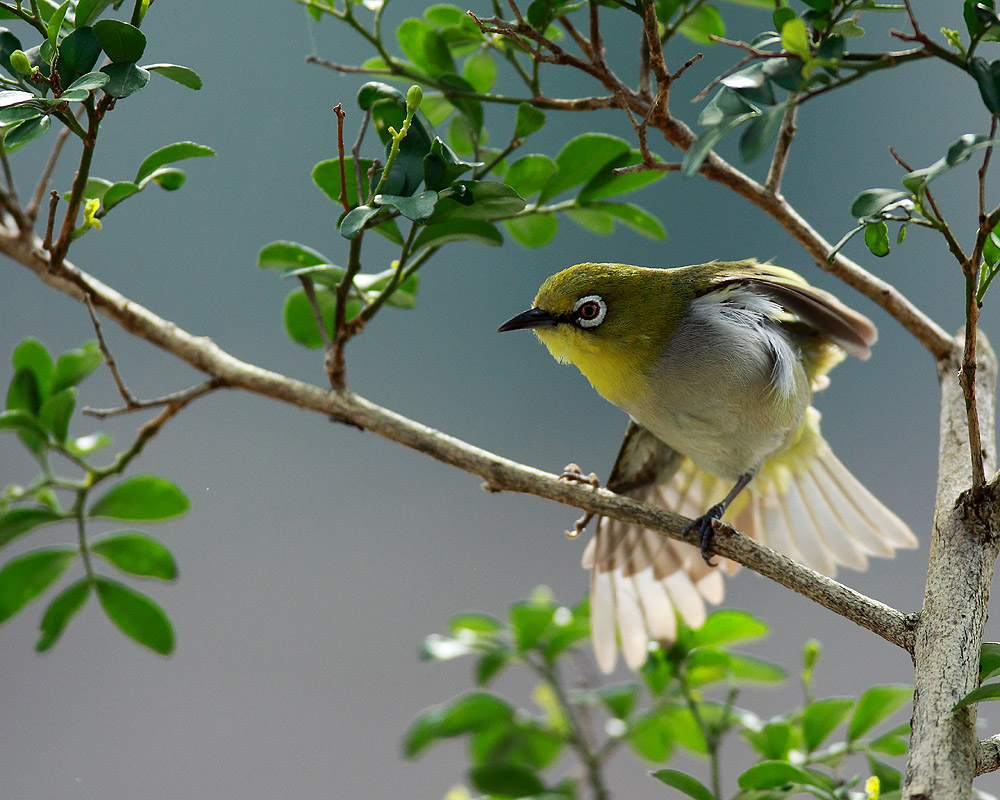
{"x": 489, "y": 666}
{"x": 534, "y": 230}
{"x": 289, "y": 256}
{"x": 759, "y": 134}
{"x": 506, "y": 780}
{"x": 795, "y": 38}
{"x": 606, "y": 184}
{"x": 442, "y": 166}
{"x": 529, "y": 174}
{"x": 326, "y": 175}
{"x": 636, "y": 218}
{"x": 702, "y": 24}
{"x": 18, "y": 521}
{"x": 877, "y": 238}
{"x": 136, "y": 615}
{"x": 90, "y": 81}
{"x": 754, "y": 670}
{"x": 78, "y": 53}
{"x": 122, "y": 42}
{"x": 581, "y": 159}
{"x": 118, "y": 192}
{"x": 24, "y": 132}
{"x": 889, "y": 778}
{"x": 178, "y": 74}
{"x": 683, "y": 782}
{"x": 489, "y": 200}
{"x": 773, "y": 741}
{"x": 988, "y": 691}
{"x": 471, "y": 230}
{"x": 8, "y": 44}
{"x": 874, "y": 706}
{"x": 651, "y": 737}
{"x": 11, "y": 97}
{"x": 354, "y": 221}
{"x": 443, "y": 648}
{"x": 592, "y": 219}
{"x": 707, "y": 139}
{"x": 424, "y": 47}
{"x": 989, "y": 655}
{"x": 619, "y": 699}
{"x": 137, "y": 554}
{"x": 467, "y": 713}
{"x": 14, "y": 114}
{"x": 170, "y": 154}
{"x": 75, "y": 365}
{"x": 87, "y": 11}
{"x": 773, "y": 775}
{"x": 469, "y": 107}
{"x": 480, "y": 70}
{"x": 27, "y": 576}
{"x": 820, "y": 718}
{"x": 871, "y": 201}
{"x": 59, "y": 613}
{"x": 300, "y": 321}
{"x": 529, "y": 120}
{"x": 324, "y": 274}
{"x": 529, "y": 622}
{"x": 21, "y": 421}
{"x": 727, "y": 626}
{"x": 167, "y": 178}
{"x": 144, "y": 497}
{"x": 476, "y": 623}
{"x": 54, "y": 26}
{"x": 30, "y": 354}
{"x": 124, "y": 79}
{"x": 987, "y": 76}
{"x": 24, "y": 392}
{"x": 56, "y": 412}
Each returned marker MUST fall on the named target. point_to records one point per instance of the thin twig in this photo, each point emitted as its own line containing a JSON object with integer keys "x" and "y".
{"x": 131, "y": 401}
{"x": 50, "y": 223}
{"x": 356, "y": 152}
{"x": 43, "y": 182}
{"x": 176, "y": 399}
{"x": 339, "y": 111}
{"x": 579, "y": 38}
{"x": 782, "y": 147}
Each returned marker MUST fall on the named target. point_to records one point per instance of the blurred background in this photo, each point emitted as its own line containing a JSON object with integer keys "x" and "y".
{"x": 315, "y": 558}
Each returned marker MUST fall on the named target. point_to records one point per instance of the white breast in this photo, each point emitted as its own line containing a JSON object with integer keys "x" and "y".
{"x": 729, "y": 390}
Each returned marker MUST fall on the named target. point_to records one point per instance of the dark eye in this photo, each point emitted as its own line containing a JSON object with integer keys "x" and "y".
{"x": 590, "y": 311}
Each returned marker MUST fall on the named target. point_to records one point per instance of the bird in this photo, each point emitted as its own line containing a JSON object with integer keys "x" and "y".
{"x": 716, "y": 365}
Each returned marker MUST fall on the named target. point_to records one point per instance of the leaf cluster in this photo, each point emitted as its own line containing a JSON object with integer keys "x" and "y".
{"x": 40, "y": 401}
{"x": 685, "y": 699}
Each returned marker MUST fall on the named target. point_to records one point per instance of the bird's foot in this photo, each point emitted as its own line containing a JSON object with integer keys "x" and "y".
{"x": 573, "y": 474}
{"x": 705, "y": 526}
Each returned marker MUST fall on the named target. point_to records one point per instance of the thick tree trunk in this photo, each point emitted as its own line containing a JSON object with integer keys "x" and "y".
{"x": 964, "y": 545}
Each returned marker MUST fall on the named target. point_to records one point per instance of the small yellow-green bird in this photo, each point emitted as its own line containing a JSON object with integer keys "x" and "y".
{"x": 716, "y": 365}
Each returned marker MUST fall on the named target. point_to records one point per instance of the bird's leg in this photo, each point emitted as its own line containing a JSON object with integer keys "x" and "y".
{"x": 573, "y": 474}
{"x": 705, "y": 523}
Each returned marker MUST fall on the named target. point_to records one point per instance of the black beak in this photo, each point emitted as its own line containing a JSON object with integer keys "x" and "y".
{"x": 532, "y": 318}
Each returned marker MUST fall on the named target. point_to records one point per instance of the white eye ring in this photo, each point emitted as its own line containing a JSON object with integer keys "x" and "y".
{"x": 590, "y": 321}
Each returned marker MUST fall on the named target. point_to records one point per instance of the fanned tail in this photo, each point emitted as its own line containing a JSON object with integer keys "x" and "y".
{"x": 804, "y": 503}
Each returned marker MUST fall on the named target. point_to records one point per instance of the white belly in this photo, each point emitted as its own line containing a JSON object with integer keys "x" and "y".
{"x": 730, "y": 389}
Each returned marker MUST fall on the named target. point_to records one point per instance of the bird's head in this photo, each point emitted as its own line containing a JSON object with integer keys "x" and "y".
{"x": 610, "y": 320}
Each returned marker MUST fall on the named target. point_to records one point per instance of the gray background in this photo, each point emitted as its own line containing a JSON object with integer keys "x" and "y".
{"x": 315, "y": 558}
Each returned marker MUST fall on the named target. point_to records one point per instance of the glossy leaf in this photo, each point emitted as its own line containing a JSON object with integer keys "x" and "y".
{"x": 871, "y": 201}
{"x": 529, "y": 174}
{"x": 529, "y": 622}
{"x": 470, "y": 107}
{"x": 300, "y": 321}
{"x": 178, "y": 74}
{"x": 599, "y": 218}
{"x": 356, "y": 219}
{"x": 533, "y": 230}
{"x": 820, "y": 719}
{"x": 442, "y": 165}
{"x": 467, "y": 713}
{"x": 773, "y": 741}
{"x": 30, "y": 354}
{"x": 27, "y": 576}
{"x": 877, "y": 238}
{"x": 24, "y": 132}
{"x": 136, "y": 615}
{"x": 168, "y": 178}
{"x": 581, "y": 159}
{"x": 137, "y": 554}
{"x": 124, "y": 79}
{"x": 418, "y": 208}
{"x": 87, "y": 11}
{"x": 480, "y": 70}
{"x": 78, "y": 53}
{"x": 122, "y": 42}
{"x": 489, "y": 200}
{"x": 59, "y": 613}
{"x": 988, "y": 691}
{"x": 55, "y": 23}
{"x": 17, "y": 521}
{"x": 728, "y": 626}
{"x": 14, "y": 114}
{"x": 471, "y": 230}
{"x": 424, "y": 47}
{"x": 707, "y": 139}
{"x": 22, "y": 421}
{"x": 75, "y": 365}
{"x": 683, "y": 782}
{"x": 117, "y": 192}
{"x": 170, "y": 154}
{"x": 144, "y": 497}
{"x": 606, "y": 184}
{"x": 987, "y": 77}
{"x": 874, "y": 706}
{"x": 489, "y": 665}
{"x": 989, "y": 656}
{"x": 289, "y": 256}
{"x": 326, "y": 175}
{"x": 9, "y": 43}
{"x": 795, "y": 37}
{"x": 761, "y": 132}
{"x": 24, "y": 393}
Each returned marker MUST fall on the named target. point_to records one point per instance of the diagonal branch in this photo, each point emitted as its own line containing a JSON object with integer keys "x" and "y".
{"x": 499, "y": 474}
